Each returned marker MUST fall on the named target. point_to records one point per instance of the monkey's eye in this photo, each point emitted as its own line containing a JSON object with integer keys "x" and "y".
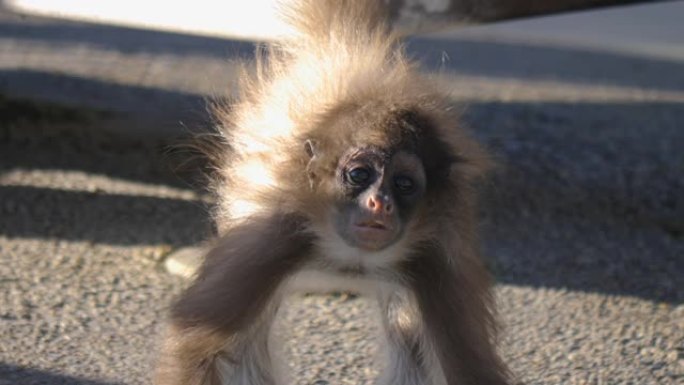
{"x": 404, "y": 184}
{"x": 359, "y": 175}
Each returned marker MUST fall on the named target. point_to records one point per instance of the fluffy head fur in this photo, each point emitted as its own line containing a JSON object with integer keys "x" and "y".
{"x": 343, "y": 79}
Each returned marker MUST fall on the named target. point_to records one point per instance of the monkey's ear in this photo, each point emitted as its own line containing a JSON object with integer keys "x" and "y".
{"x": 310, "y": 148}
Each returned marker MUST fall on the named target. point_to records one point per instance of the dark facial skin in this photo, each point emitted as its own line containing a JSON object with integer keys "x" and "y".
{"x": 379, "y": 192}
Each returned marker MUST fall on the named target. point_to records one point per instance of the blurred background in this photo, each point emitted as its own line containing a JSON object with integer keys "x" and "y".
{"x": 580, "y": 101}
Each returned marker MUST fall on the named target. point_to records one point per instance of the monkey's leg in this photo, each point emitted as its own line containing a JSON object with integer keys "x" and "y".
{"x": 455, "y": 303}
{"x": 220, "y": 325}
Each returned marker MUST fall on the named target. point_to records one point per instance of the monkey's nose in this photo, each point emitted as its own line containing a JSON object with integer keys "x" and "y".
{"x": 379, "y": 204}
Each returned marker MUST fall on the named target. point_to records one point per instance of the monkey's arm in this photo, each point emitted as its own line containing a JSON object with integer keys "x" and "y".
{"x": 454, "y": 300}
{"x": 233, "y": 288}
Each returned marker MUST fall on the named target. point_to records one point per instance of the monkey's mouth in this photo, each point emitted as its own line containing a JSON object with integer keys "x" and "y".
{"x": 376, "y": 225}
{"x": 371, "y": 233}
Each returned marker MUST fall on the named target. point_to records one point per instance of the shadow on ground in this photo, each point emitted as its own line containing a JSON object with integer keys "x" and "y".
{"x": 11, "y": 374}
{"x": 168, "y": 110}
{"x": 587, "y": 197}
{"x": 53, "y": 136}
{"x": 101, "y": 217}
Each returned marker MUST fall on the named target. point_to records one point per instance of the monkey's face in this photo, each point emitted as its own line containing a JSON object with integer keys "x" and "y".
{"x": 378, "y": 192}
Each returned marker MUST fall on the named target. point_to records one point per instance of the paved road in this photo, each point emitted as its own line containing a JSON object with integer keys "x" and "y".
{"x": 582, "y": 222}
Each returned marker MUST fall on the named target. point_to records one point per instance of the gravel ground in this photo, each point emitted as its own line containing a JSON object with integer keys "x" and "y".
{"x": 583, "y": 223}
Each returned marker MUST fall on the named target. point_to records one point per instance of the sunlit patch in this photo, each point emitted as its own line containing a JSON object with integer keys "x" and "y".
{"x": 251, "y": 19}
{"x": 88, "y": 182}
{"x": 255, "y": 172}
{"x": 241, "y": 208}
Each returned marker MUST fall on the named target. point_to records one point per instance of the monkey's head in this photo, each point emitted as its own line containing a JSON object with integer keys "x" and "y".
{"x": 379, "y": 176}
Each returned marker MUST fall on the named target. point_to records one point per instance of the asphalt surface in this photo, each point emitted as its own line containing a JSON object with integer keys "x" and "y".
{"x": 583, "y": 222}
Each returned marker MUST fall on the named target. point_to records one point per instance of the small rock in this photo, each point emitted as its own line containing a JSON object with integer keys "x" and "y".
{"x": 184, "y": 262}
